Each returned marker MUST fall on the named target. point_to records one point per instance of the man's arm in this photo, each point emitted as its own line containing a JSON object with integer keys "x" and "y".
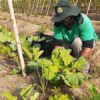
{"x": 57, "y": 37}
{"x": 86, "y": 52}
{"x": 87, "y": 48}
{"x": 58, "y": 43}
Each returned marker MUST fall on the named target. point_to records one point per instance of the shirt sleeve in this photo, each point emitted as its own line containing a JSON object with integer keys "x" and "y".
{"x": 87, "y": 30}
{"x": 58, "y": 31}
{"x": 88, "y": 44}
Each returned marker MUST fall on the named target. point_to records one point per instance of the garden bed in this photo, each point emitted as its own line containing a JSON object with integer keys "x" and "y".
{"x": 14, "y": 83}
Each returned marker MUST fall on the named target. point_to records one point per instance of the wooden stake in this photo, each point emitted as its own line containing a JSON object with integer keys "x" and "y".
{"x": 48, "y": 8}
{"x": 88, "y": 7}
{"x": 17, "y": 37}
{"x": 76, "y": 2}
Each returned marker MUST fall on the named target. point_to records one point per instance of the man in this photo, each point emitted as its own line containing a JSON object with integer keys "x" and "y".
{"x": 73, "y": 29}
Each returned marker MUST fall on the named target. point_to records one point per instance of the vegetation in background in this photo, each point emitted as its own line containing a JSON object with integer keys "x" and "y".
{"x": 44, "y": 29}
{"x": 9, "y": 49}
{"x": 45, "y": 7}
{"x": 8, "y": 44}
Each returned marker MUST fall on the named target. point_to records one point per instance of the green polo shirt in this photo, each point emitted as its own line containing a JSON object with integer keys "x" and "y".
{"x": 85, "y": 31}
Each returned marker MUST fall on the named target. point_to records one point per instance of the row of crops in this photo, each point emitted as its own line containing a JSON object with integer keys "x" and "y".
{"x": 56, "y": 69}
{"x": 45, "y": 7}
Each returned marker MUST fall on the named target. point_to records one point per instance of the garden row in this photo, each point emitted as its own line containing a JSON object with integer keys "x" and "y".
{"x": 53, "y": 70}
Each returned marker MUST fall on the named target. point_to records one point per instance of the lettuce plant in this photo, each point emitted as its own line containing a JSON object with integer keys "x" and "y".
{"x": 61, "y": 66}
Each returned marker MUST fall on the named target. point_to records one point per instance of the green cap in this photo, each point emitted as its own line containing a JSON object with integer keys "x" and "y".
{"x": 64, "y": 9}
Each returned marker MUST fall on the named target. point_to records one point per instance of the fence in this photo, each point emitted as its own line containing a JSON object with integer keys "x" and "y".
{"x": 45, "y": 7}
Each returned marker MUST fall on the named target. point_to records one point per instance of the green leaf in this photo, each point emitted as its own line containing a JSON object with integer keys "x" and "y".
{"x": 61, "y": 57}
{"x": 74, "y": 79}
{"x": 25, "y": 92}
{"x": 48, "y": 69}
{"x": 50, "y": 73}
{"x": 16, "y": 70}
{"x": 66, "y": 57}
{"x": 32, "y": 65}
{"x": 9, "y": 96}
{"x": 66, "y": 81}
{"x": 55, "y": 57}
{"x": 93, "y": 89}
{"x": 79, "y": 64}
{"x": 34, "y": 96}
{"x": 44, "y": 63}
{"x": 96, "y": 97}
{"x": 13, "y": 46}
{"x": 37, "y": 54}
{"x": 59, "y": 97}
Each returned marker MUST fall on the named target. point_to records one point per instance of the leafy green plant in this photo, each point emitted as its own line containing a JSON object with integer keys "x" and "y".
{"x": 29, "y": 90}
{"x": 61, "y": 66}
{"x": 94, "y": 94}
{"x": 61, "y": 57}
{"x": 32, "y": 53}
{"x": 73, "y": 79}
{"x": 28, "y": 93}
{"x": 57, "y": 95}
{"x": 9, "y": 96}
{"x": 8, "y": 45}
{"x": 44, "y": 28}
{"x": 79, "y": 64}
{"x": 7, "y": 38}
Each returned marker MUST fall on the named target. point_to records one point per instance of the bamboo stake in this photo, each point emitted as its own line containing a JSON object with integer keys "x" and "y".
{"x": 42, "y": 6}
{"x": 36, "y": 10}
{"x": 73, "y": 2}
{"x": 76, "y": 3}
{"x": 32, "y": 10}
{"x": 48, "y": 7}
{"x": 29, "y": 7}
{"x": 88, "y": 7}
{"x": 53, "y": 12}
{"x": 18, "y": 43}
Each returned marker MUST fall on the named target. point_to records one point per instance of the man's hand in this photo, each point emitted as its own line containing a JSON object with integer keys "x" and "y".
{"x": 58, "y": 46}
{"x": 86, "y": 52}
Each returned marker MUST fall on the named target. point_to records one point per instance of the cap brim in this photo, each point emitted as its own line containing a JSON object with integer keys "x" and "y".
{"x": 73, "y": 11}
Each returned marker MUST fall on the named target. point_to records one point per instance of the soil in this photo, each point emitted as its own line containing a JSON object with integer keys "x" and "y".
{"x": 30, "y": 25}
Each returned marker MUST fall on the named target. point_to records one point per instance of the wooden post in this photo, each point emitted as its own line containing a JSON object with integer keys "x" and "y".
{"x": 48, "y": 8}
{"x": 88, "y": 7}
{"x": 76, "y": 2}
{"x": 42, "y": 8}
{"x": 18, "y": 43}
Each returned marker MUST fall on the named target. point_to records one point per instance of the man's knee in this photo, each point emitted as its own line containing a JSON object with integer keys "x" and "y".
{"x": 77, "y": 43}
{"x": 77, "y": 46}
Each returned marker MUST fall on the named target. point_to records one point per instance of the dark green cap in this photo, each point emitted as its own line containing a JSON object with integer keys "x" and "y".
{"x": 64, "y": 9}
